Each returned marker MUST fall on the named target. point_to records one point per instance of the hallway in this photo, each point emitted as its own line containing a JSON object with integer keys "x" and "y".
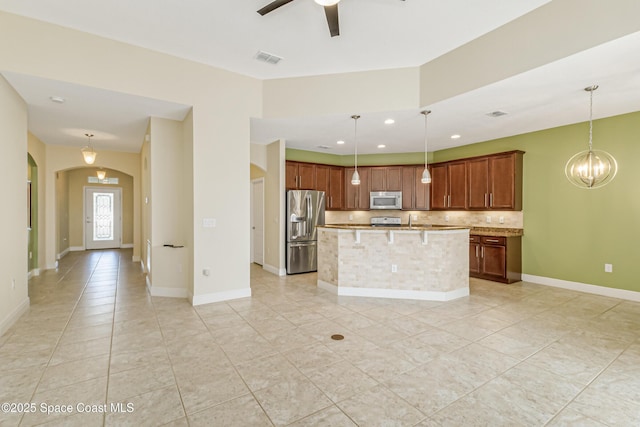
{"x": 520, "y": 354}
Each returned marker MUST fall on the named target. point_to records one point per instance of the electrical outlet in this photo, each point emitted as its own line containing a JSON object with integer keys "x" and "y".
{"x": 414, "y": 217}
{"x": 488, "y": 219}
{"x": 30, "y": 255}
{"x": 394, "y": 268}
{"x": 206, "y": 272}
{"x": 608, "y": 268}
{"x": 446, "y": 218}
{"x": 501, "y": 220}
{"x": 350, "y": 217}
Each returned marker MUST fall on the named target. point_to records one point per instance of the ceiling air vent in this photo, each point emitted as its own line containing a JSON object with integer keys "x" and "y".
{"x": 496, "y": 113}
{"x": 267, "y": 57}
{"x": 324, "y": 147}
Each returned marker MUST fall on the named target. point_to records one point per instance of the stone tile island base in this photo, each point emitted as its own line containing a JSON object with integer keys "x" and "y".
{"x": 430, "y": 263}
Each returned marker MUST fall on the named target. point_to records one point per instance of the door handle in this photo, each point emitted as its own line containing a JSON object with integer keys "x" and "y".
{"x": 482, "y": 252}
{"x": 490, "y": 200}
{"x": 485, "y": 200}
{"x": 449, "y": 201}
{"x": 476, "y": 252}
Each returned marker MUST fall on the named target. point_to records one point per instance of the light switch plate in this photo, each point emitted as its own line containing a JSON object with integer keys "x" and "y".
{"x": 208, "y": 222}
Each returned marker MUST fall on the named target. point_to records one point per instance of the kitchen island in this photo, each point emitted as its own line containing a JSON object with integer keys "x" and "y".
{"x": 420, "y": 262}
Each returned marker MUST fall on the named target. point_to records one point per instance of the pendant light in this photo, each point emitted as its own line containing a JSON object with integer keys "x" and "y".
{"x": 101, "y": 174}
{"x": 426, "y": 176}
{"x": 355, "y": 178}
{"x": 327, "y": 2}
{"x": 88, "y": 153}
{"x": 591, "y": 168}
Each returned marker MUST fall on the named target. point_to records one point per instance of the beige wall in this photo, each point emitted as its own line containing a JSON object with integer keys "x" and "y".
{"x": 145, "y": 199}
{"x": 78, "y": 180}
{"x": 61, "y": 215}
{"x": 256, "y": 172}
{"x": 38, "y": 152}
{"x": 14, "y": 299}
{"x": 220, "y": 130}
{"x": 274, "y": 239}
{"x": 187, "y": 158}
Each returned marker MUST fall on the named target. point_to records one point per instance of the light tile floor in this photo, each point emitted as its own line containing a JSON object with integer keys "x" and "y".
{"x": 514, "y": 355}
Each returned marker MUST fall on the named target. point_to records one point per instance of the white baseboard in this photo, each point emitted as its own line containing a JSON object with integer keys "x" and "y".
{"x": 219, "y": 296}
{"x": 583, "y": 287}
{"x": 126, "y": 245}
{"x": 274, "y": 270}
{"x": 62, "y": 254}
{"x": 13, "y": 317}
{"x": 33, "y": 273}
{"x": 393, "y": 293}
{"x": 76, "y": 248}
{"x": 156, "y": 291}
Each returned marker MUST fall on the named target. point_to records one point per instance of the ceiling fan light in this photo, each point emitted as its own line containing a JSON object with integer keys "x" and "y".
{"x": 426, "y": 176}
{"x": 327, "y": 2}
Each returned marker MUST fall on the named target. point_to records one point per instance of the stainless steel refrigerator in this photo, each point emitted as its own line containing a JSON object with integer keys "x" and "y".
{"x": 305, "y": 211}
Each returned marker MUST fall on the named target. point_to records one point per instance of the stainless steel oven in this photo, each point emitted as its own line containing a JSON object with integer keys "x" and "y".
{"x": 385, "y": 200}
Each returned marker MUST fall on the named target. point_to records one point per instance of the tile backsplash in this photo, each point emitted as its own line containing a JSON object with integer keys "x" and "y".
{"x": 511, "y": 219}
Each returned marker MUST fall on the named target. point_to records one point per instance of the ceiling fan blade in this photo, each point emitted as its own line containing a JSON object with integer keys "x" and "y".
{"x": 273, "y": 6}
{"x": 332, "y": 19}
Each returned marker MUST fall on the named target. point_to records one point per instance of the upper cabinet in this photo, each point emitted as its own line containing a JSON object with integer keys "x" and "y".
{"x": 386, "y": 178}
{"x": 449, "y": 185}
{"x": 415, "y": 194}
{"x": 495, "y": 182}
{"x": 357, "y": 196}
{"x": 300, "y": 176}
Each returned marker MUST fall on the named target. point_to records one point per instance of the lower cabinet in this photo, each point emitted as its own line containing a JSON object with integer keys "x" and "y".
{"x": 495, "y": 258}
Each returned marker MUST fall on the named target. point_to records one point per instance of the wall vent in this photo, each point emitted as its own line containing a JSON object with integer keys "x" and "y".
{"x": 496, "y": 113}
{"x": 324, "y": 147}
{"x": 267, "y": 57}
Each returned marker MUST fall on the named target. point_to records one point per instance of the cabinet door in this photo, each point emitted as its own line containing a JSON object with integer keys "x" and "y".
{"x": 393, "y": 178}
{"x": 351, "y": 191}
{"x": 474, "y": 255}
{"x": 439, "y": 187}
{"x": 457, "y": 175}
{"x": 494, "y": 261}
{"x": 291, "y": 176}
{"x": 502, "y": 183}
{"x": 336, "y": 187}
{"x": 377, "y": 179}
{"x": 364, "y": 188}
{"x": 307, "y": 174}
{"x": 478, "y": 183}
{"x": 408, "y": 187}
{"x": 322, "y": 179}
{"x": 421, "y": 196}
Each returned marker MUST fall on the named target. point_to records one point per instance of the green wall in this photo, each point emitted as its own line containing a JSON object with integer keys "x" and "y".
{"x": 570, "y": 233}
{"x": 363, "y": 159}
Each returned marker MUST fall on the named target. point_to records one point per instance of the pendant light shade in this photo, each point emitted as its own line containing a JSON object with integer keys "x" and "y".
{"x": 88, "y": 153}
{"x": 426, "y": 176}
{"x": 101, "y": 174}
{"x": 591, "y": 168}
{"x": 327, "y": 2}
{"x": 355, "y": 178}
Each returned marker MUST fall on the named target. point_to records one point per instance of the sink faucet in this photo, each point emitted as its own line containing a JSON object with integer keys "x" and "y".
{"x": 409, "y": 220}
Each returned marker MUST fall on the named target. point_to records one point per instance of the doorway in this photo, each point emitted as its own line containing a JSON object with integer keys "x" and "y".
{"x": 257, "y": 221}
{"x": 103, "y": 218}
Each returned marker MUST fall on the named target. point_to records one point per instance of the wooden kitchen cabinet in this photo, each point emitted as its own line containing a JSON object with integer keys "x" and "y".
{"x": 336, "y": 188}
{"x": 495, "y": 182}
{"x": 300, "y": 176}
{"x": 388, "y": 178}
{"x": 449, "y": 186}
{"x": 415, "y": 194}
{"x": 356, "y": 196}
{"x": 495, "y": 258}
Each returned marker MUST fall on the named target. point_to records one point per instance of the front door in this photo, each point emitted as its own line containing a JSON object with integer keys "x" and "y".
{"x": 103, "y": 217}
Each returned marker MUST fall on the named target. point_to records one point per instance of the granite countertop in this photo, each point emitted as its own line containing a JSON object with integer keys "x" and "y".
{"x": 481, "y": 231}
{"x": 415, "y": 227}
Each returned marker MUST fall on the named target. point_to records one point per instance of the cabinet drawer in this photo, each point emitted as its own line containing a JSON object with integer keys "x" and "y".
{"x": 491, "y": 240}
{"x": 474, "y": 239}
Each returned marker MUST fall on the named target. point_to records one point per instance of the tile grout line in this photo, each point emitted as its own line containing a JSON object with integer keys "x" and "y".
{"x": 113, "y": 328}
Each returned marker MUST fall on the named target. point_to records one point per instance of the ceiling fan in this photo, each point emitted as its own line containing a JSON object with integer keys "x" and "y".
{"x": 330, "y": 10}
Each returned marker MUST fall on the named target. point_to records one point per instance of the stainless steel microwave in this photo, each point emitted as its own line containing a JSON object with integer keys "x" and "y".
{"x": 385, "y": 200}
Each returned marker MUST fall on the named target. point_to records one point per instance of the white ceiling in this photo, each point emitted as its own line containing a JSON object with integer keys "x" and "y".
{"x": 375, "y": 34}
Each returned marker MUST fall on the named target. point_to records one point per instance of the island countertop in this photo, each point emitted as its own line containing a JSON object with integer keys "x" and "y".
{"x": 481, "y": 231}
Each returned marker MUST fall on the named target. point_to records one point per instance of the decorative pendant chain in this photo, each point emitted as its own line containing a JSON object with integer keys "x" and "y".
{"x": 591, "y": 120}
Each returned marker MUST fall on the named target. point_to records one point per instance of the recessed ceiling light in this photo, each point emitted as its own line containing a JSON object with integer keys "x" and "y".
{"x": 456, "y": 136}
{"x": 340, "y": 142}
{"x": 389, "y": 122}
{"x": 57, "y": 99}
{"x": 381, "y": 146}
